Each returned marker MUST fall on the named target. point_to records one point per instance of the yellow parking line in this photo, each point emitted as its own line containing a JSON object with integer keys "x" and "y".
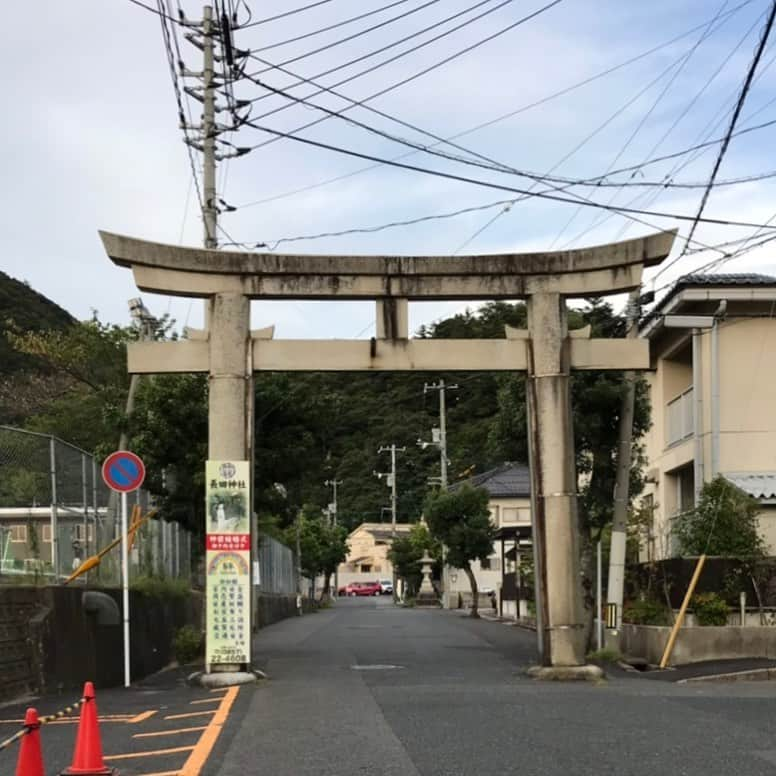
{"x": 207, "y": 700}
{"x": 207, "y": 740}
{"x": 148, "y": 754}
{"x": 142, "y": 717}
{"x": 190, "y": 714}
{"x": 169, "y": 732}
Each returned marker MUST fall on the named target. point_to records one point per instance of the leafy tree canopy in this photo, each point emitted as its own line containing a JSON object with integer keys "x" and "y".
{"x": 723, "y": 523}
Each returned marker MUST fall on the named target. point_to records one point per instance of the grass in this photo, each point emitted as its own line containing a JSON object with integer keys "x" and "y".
{"x": 604, "y": 656}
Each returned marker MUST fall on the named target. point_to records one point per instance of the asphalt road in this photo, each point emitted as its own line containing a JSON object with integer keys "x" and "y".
{"x": 369, "y": 689}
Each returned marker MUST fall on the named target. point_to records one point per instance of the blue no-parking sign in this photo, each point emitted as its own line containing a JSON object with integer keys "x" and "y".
{"x": 123, "y": 471}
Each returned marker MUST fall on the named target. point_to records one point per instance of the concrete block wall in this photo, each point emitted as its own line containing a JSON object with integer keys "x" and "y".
{"x": 58, "y": 646}
{"x": 695, "y": 644}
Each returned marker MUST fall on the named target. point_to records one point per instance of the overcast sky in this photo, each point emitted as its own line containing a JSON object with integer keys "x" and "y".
{"x": 91, "y": 138}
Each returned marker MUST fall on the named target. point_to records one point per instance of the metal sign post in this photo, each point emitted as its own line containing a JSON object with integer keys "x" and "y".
{"x": 124, "y": 472}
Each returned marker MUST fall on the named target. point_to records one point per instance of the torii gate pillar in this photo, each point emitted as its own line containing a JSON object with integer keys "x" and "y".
{"x": 553, "y": 482}
{"x": 230, "y": 376}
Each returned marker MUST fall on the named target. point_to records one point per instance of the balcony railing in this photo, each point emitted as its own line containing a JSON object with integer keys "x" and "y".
{"x": 680, "y": 422}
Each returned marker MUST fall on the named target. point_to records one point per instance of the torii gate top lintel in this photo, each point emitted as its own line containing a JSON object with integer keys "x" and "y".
{"x": 597, "y": 270}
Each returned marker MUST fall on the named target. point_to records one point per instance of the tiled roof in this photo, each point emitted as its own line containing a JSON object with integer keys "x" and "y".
{"x": 702, "y": 279}
{"x": 510, "y": 480}
{"x": 760, "y": 485}
{"x": 734, "y": 279}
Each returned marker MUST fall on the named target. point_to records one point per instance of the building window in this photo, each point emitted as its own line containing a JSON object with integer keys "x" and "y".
{"x": 19, "y": 533}
{"x": 78, "y": 532}
{"x": 46, "y": 532}
{"x": 491, "y": 564}
{"x": 366, "y": 568}
{"x": 510, "y": 514}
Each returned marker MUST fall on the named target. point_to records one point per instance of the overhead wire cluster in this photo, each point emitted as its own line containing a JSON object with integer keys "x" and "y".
{"x": 550, "y": 185}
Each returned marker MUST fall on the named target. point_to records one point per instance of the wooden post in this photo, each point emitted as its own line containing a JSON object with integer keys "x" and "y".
{"x": 680, "y": 619}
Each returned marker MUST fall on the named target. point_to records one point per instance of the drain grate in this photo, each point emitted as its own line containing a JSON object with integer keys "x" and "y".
{"x": 375, "y": 667}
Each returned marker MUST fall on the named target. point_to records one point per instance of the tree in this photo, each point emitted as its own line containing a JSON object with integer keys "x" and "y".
{"x": 322, "y": 546}
{"x": 460, "y": 519}
{"x": 406, "y": 552}
{"x": 723, "y": 523}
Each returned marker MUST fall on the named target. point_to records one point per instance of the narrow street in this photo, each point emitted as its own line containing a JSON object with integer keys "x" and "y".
{"x": 368, "y": 688}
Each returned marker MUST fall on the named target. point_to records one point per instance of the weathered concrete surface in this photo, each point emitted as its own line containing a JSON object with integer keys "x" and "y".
{"x": 553, "y": 475}
{"x": 700, "y": 643}
{"x": 386, "y": 355}
{"x": 587, "y": 673}
{"x": 172, "y": 269}
{"x": 230, "y": 384}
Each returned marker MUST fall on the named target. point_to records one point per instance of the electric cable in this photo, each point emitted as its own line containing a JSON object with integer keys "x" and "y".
{"x": 734, "y": 119}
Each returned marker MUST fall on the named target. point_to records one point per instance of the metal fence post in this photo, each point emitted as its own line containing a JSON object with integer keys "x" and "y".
{"x": 54, "y": 524}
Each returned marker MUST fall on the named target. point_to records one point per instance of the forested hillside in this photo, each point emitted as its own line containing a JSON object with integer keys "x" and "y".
{"x": 24, "y": 379}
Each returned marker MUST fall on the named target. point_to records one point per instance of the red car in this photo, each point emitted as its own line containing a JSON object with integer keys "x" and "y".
{"x": 363, "y": 588}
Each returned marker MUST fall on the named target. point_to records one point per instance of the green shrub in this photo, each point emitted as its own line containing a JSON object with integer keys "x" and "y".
{"x": 605, "y": 655}
{"x": 710, "y": 609}
{"x": 161, "y": 587}
{"x": 187, "y": 644}
{"x": 646, "y": 612}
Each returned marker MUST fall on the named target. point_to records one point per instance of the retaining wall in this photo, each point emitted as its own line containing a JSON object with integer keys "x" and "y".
{"x": 49, "y": 643}
{"x": 694, "y": 644}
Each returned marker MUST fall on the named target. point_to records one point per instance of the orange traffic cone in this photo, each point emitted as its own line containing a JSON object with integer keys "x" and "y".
{"x": 87, "y": 758}
{"x": 30, "y": 762}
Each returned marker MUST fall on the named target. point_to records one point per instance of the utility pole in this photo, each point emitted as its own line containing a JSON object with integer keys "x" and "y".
{"x": 439, "y": 438}
{"x": 333, "y": 506}
{"x": 392, "y": 483}
{"x": 209, "y": 209}
{"x": 616, "y": 581}
{"x": 333, "y": 519}
{"x": 298, "y": 564}
{"x": 205, "y": 139}
{"x": 439, "y": 435}
{"x": 391, "y": 480}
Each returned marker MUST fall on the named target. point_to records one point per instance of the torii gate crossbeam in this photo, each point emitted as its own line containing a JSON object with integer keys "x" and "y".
{"x": 229, "y": 352}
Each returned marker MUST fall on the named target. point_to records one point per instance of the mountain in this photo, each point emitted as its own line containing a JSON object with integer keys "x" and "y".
{"x": 22, "y": 376}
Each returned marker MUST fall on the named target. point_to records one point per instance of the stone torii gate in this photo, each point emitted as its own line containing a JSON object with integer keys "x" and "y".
{"x": 230, "y": 352}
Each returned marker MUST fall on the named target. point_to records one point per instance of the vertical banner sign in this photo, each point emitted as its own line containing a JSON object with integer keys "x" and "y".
{"x": 228, "y": 546}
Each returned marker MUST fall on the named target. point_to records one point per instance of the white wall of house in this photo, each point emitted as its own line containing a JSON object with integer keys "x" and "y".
{"x": 747, "y": 417}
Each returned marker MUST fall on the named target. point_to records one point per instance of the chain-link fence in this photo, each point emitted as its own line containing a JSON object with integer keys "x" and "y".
{"x": 277, "y": 572}
{"x": 56, "y": 511}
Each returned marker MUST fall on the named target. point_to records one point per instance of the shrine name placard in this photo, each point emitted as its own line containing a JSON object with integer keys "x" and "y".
{"x": 228, "y": 553}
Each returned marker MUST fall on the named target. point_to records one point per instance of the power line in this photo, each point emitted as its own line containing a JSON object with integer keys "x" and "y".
{"x": 355, "y": 35}
{"x": 273, "y": 244}
{"x": 682, "y": 63}
{"x": 389, "y": 46}
{"x": 492, "y": 164}
{"x": 649, "y": 199}
{"x": 502, "y": 117}
{"x": 679, "y": 61}
{"x": 282, "y": 15}
{"x": 163, "y": 18}
{"x": 488, "y": 184}
{"x": 734, "y": 119}
{"x": 330, "y": 27}
{"x": 420, "y": 73}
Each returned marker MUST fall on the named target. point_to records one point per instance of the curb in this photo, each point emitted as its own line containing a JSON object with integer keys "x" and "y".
{"x": 752, "y": 675}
